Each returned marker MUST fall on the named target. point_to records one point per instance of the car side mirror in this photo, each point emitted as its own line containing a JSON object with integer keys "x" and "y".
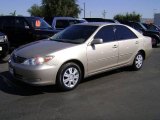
{"x": 97, "y": 41}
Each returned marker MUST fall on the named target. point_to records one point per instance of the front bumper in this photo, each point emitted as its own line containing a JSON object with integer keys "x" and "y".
{"x": 33, "y": 75}
{"x": 4, "y": 49}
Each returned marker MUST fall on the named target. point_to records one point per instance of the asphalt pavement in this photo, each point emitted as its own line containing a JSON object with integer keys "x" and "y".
{"x": 120, "y": 94}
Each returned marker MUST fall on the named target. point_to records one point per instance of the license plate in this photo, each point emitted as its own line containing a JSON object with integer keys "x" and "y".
{"x": 11, "y": 70}
{"x": 0, "y": 48}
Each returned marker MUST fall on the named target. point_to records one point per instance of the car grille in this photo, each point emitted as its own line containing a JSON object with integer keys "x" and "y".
{"x": 17, "y": 59}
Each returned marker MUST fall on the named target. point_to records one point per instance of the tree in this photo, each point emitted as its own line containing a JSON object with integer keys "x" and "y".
{"x": 51, "y": 8}
{"x": 128, "y": 17}
{"x": 36, "y": 10}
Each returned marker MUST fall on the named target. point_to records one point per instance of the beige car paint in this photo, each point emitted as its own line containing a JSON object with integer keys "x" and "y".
{"x": 94, "y": 58}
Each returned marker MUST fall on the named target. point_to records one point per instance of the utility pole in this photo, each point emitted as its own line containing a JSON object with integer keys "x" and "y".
{"x": 90, "y": 14}
{"x": 104, "y": 14}
{"x": 84, "y": 4}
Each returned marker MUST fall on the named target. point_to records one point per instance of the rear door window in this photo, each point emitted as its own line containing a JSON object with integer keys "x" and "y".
{"x": 124, "y": 33}
{"x": 61, "y": 24}
{"x": 20, "y": 23}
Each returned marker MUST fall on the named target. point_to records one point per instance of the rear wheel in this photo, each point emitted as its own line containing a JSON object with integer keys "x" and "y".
{"x": 154, "y": 42}
{"x": 69, "y": 76}
{"x": 138, "y": 61}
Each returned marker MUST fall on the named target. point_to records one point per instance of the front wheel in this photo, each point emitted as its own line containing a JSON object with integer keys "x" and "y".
{"x": 69, "y": 76}
{"x": 2, "y": 56}
{"x": 138, "y": 62}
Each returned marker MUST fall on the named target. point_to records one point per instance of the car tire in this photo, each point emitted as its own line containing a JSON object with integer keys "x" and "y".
{"x": 69, "y": 76}
{"x": 138, "y": 61}
{"x": 2, "y": 56}
{"x": 154, "y": 42}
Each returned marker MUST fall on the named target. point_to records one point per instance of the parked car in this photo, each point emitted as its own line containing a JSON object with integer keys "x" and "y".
{"x": 100, "y": 20}
{"x": 142, "y": 29}
{"x": 77, "y": 52}
{"x": 4, "y": 45}
{"x": 81, "y": 20}
{"x": 22, "y": 30}
{"x": 60, "y": 23}
{"x": 151, "y": 27}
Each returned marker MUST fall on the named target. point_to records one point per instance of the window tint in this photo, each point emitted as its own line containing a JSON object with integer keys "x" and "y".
{"x": 1, "y": 23}
{"x": 153, "y": 28}
{"x": 62, "y": 23}
{"x": 20, "y": 23}
{"x": 106, "y": 33}
{"x": 37, "y": 23}
{"x": 71, "y": 22}
{"x": 137, "y": 26}
{"x": 6, "y": 22}
{"x": 65, "y": 23}
{"x": 75, "y": 34}
{"x": 123, "y": 33}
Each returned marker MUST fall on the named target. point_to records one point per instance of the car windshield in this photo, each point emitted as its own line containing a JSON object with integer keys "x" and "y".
{"x": 143, "y": 26}
{"x": 75, "y": 34}
{"x": 38, "y": 23}
{"x": 154, "y": 28}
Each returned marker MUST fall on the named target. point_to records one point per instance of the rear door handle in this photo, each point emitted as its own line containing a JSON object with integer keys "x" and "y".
{"x": 137, "y": 42}
{"x": 114, "y": 46}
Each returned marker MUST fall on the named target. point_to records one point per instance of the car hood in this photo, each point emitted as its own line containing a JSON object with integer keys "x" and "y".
{"x": 1, "y": 34}
{"x": 41, "y": 48}
{"x": 152, "y": 32}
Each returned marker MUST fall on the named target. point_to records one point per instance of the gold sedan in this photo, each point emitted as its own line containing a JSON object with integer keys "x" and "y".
{"x": 77, "y": 52}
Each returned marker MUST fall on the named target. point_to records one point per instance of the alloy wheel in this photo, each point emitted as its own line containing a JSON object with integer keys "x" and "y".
{"x": 71, "y": 77}
{"x": 139, "y": 61}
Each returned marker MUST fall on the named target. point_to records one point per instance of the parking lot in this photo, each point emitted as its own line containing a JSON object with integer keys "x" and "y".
{"x": 117, "y": 95}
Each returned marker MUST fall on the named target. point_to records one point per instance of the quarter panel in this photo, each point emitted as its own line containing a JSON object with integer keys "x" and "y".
{"x": 127, "y": 50}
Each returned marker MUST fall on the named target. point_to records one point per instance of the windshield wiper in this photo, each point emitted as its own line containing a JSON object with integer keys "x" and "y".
{"x": 63, "y": 40}
{"x": 69, "y": 41}
{"x": 58, "y": 40}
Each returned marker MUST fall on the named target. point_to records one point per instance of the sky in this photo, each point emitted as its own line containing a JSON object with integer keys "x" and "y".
{"x": 94, "y": 8}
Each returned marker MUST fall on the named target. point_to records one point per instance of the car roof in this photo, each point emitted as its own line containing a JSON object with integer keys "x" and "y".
{"x": 20, "y": 16}
{"x": 100, "y": 20}
{"x": 68, "y": 18}
{"x": 98, "y": 23}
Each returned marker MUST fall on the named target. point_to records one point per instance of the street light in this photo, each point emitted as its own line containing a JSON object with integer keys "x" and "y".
{"x": 104, "y": 14}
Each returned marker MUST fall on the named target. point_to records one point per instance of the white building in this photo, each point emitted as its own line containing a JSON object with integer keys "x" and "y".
{"x": 157, "y": 19}
{"x": 147, "y": 20}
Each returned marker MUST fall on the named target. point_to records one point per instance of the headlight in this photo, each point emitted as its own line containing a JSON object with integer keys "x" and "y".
{"x": 37, "y": 60}
{"x": 3, "y": 38}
